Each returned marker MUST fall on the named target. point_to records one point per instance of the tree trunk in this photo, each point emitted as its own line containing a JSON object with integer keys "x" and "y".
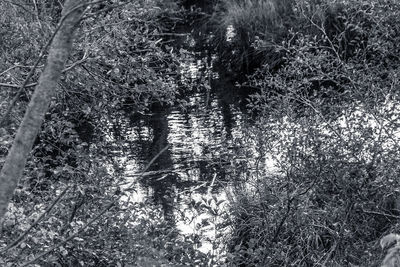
{"x": 58, "y": 54}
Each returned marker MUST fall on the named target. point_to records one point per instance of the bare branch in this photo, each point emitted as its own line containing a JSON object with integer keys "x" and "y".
{"x": 16, "y": 85}
{"x": 73, "y": 65}
{"x": 104, "y": 210}
{"x": 37, "y": 14}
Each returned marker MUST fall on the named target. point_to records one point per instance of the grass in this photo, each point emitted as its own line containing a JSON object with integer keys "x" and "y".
{"x": 256, "y": 17}
{"x": 252, "y": 21}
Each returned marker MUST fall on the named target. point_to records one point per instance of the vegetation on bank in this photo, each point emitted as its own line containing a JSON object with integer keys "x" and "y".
{"x": 326, "y": 116}
{"x": 248, "y": 29}
{"x": 119, "y": 61}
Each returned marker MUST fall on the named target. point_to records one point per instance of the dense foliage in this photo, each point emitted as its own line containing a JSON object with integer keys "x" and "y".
{"x": 119, "y": 62}
{"x": 329, "y": 117}
{"x": 314, "y": 181}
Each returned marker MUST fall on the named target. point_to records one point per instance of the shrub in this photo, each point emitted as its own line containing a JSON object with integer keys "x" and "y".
{"x": 330, "y": 121}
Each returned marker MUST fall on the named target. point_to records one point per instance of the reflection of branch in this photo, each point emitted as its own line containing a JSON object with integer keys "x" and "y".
{"x": 193, "y": 189}
{"x": 148, "y": 166}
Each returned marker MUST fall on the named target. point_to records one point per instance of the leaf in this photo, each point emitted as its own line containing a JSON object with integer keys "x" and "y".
{"x": 220, "y": 202}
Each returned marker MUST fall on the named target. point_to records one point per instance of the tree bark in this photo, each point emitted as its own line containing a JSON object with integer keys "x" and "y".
{"x": 58, "y": 54}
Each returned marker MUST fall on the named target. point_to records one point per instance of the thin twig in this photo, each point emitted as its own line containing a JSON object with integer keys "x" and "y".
{"x": 47, "y": 211}
{"x": 94, "y": 14}
{"x": 37, "y": 14}
{"x": 71, "y": 237}
{"x": 147, "y": 167}
{"x": 330, "y": 252}
{"x": 16, "y": 85}
{"x": 73, "y": 65}
{"x": 19, "y": 5}
{"x": 31, "y": 72}
{"x": 59, "y": 2}
{"x": 104, "y": 210}
{"x": 322, "y": 29}
{"x": 10, "y": 68}
{"x": 381, "y": 214}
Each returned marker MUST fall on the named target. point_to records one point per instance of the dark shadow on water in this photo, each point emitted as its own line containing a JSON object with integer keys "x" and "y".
{"x": 161, "y": 184}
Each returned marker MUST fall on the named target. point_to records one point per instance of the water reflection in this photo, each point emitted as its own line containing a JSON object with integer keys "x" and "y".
{"x": 199, "y": 137}
{"x": 164, "y": 179}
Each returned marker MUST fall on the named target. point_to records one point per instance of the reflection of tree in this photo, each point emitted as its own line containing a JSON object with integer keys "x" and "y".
{"x": 227, "y": 95}
{"x": 162, "y": 183}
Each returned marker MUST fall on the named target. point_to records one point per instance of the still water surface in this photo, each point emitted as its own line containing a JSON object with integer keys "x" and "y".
{"x": 200, "y": 141}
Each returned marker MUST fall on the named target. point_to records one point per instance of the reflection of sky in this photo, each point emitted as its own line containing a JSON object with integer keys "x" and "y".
{"x": 196, "y": 136}
{"x": 199, "y": 134}
{"x": 193, "y": 137}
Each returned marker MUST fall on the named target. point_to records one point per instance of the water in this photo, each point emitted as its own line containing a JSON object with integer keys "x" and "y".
{"x": 198, "y": 131}
{"x": 200, "y": 135}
